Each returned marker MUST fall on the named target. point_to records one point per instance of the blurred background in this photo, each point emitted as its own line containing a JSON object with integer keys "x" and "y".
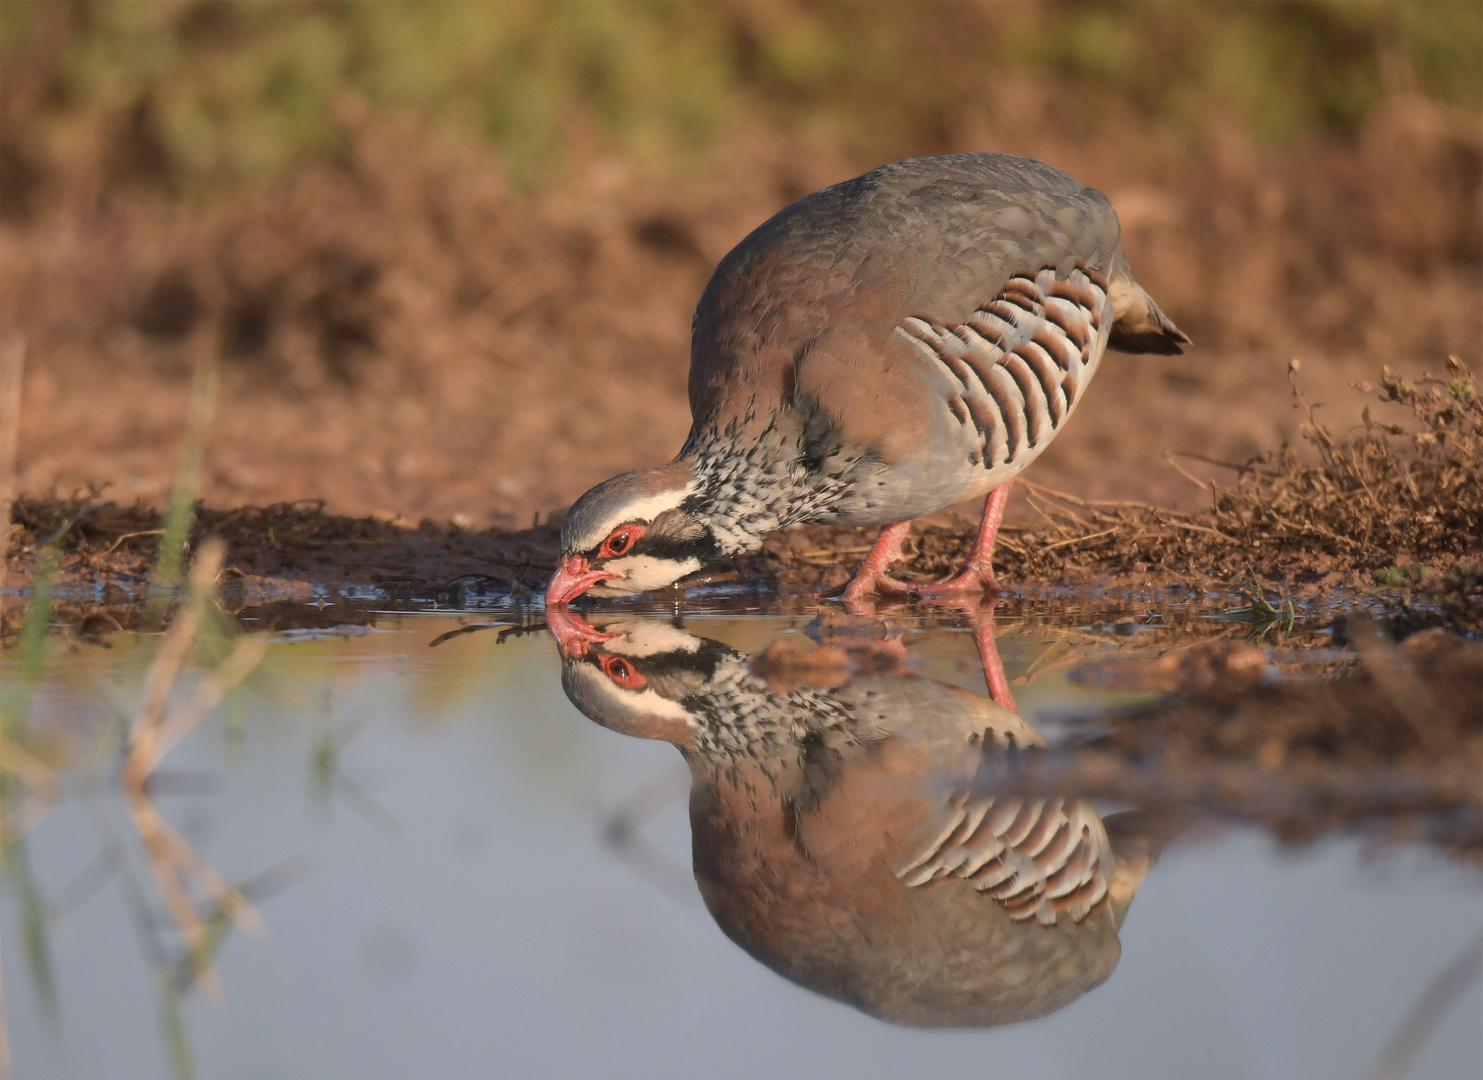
{"x": 447, "y": 253}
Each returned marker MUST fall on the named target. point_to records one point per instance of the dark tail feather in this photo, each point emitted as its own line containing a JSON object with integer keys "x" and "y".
{"x": 1139, "y": 326}
{"x": 1146, "y": 329}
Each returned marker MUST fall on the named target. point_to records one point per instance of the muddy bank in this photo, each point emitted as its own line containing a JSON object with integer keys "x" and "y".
{"x": 286, "y": 552}
{"x": 401, "y": 334}
{"x": 1282, "y": 702}
{"x": 1392, "y": 746}
{"x": 1390, "y": 512}
{"x": 292, "y": 553}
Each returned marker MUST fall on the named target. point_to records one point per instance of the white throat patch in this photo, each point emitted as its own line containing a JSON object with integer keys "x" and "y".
{"x": 648, "y": 637}
{"x": 641, "y": 573}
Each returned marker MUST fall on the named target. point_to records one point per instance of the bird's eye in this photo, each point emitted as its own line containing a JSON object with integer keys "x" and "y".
{"x": 620, "y": 541}
{"x": 621, "y": 672}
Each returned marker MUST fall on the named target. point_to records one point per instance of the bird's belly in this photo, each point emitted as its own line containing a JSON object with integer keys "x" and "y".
{"x": 916, "y": 488}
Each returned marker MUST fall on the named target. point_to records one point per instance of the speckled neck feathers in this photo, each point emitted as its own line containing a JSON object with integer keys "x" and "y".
{"x": 758, "y": 475}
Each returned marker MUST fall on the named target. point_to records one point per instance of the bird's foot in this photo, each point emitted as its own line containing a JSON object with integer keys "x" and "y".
{"x": 871, "y": 579}
{"x": 867, "y": 584}
{"x": 971, "y": 582}
{"x": 969, "y": 585}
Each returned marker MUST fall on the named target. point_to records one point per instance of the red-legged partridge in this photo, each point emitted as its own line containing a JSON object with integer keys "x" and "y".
{"x": 876, "y": 351}
{"x": 840, "y": 838}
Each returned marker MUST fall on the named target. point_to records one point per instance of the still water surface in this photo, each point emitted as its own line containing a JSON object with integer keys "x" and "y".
{"x": 477, "y": 859}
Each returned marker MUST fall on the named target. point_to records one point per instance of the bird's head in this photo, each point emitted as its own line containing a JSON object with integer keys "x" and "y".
{"x": 634, "y": 675}
{"x": 630, "y": 534}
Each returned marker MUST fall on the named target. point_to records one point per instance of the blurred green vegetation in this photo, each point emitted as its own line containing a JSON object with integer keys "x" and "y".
{"x": 226, "y": 91}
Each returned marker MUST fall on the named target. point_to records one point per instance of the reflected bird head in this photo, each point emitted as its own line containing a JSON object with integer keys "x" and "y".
{"x": 634, "y": 675}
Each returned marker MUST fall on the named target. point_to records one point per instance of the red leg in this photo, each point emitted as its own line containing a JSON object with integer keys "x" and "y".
{"x": 982, "y": 622}
{"x": 871, "y": 578}
{"x": 978, "y": 575}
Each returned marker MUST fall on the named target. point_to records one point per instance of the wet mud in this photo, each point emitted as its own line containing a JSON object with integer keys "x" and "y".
{"x": 1390, "y": 509}
{"x": 1307, "y": 709}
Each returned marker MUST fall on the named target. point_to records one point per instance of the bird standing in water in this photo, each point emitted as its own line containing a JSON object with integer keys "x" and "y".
{"x": 876, "y": 351}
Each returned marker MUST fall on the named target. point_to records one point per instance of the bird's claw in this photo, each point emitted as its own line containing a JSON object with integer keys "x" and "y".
{"x": 970, "y": 582}
{"x": 865, "y": 586}
{"x": 967, "y": 585}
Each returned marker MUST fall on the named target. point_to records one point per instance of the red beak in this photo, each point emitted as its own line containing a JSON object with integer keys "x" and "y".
{"x": 574, "y": 635}
{"x": 572, "y": 579}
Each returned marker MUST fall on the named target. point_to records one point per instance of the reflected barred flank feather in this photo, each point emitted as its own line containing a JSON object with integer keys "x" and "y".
{"x": 1037, "y": 857}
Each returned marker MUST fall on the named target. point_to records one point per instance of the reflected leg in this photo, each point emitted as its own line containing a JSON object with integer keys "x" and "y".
{"x": 981, "y": 620}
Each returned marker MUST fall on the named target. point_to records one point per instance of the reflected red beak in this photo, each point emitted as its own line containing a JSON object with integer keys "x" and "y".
{"x": 572, "y": 579}
{"x": 574, "y": 635}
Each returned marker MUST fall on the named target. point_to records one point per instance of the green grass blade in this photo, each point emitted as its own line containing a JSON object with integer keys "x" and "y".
{"x": 35, "y": 944}
{"x": 181, "y": 516}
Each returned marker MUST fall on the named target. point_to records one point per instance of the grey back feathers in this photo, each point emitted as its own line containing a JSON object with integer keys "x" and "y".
{"x": 894, "y": 344}
{"x": 932, "y": 238}
{"x": 921, "y": 331}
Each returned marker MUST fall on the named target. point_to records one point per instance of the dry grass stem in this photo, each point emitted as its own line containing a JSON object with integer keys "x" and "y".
{"x": 41, "y": 796}
{"x": 12, "y": 364}
{"x": 156, "y": 729}
{"x": 1384, "y": 495}
{"x": 1444, "y": 990}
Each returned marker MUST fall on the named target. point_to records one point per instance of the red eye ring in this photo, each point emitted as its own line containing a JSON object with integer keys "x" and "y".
{"x": 621, "y": 672}
{"x": 620, "y": 541}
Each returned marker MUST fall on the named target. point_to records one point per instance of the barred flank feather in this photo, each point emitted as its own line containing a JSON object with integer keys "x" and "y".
{"x": 1021, "y": 361}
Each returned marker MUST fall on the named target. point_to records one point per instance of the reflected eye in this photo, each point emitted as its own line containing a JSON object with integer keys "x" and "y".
{"x": 621, "y": 672}
{"x": 621, "y": 541}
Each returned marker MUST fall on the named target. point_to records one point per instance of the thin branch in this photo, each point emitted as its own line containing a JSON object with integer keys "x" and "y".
{"x": 1078, "y": 539}
{"x": 1444, "y": 990}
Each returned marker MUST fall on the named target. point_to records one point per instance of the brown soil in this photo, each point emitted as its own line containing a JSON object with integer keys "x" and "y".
{"x": 1391, "y": 510}
{"x": 403, "y": 337}
{"x": 280, "y": 553}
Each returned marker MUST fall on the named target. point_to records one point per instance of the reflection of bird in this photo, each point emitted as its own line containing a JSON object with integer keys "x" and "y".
{"x": 838, "y": 836}
{"x": 876, "y": 351}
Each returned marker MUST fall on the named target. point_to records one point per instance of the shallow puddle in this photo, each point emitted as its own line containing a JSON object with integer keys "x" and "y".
{"x": 451, "y": 849}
